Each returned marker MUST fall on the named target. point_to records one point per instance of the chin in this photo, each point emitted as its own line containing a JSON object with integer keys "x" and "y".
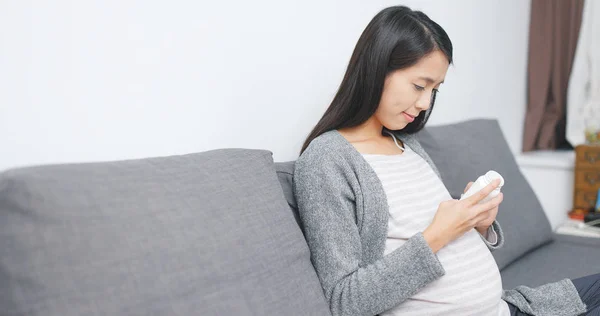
{"x": 397, "y": 126}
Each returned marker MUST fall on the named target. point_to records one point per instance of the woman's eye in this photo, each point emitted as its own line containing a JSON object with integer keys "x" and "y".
{"x": 419, "y": 88}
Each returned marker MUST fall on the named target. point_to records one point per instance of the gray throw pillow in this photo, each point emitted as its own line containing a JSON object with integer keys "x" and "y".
{"x": 199, "y": 234}
{"x": 464, "y": 151}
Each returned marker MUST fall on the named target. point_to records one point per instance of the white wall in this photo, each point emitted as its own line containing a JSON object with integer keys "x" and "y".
{"x": 555, "y": 196}
{"x": 104, "y": 80}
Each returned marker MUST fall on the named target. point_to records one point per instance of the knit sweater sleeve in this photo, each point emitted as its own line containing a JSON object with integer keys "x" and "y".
{"x": 327, "y": 211}
{"x": 495, "y": 236}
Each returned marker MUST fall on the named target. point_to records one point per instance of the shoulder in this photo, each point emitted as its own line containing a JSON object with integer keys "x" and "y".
{"x": 326, "y": 147}
{"x": 326, "y": 154}
{"x": 325, "y": 165}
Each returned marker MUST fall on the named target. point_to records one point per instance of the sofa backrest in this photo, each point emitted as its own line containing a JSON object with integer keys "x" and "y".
{"x": 285, "y": 174}
{"x": 200, "y": 234}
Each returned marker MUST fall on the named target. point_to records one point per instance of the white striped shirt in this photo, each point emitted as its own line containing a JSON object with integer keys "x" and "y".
{"x": 472, "y": 283}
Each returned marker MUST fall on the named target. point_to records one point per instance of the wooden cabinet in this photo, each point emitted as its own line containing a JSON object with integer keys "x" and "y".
{"x": 587, "y": 176}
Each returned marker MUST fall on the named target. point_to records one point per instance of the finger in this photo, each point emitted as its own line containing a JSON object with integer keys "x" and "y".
{"x": 483, "y": 193}
{"x": 479, "y": 218}
{"x": 468, "y": 187}
{"x": 489, "y": 205}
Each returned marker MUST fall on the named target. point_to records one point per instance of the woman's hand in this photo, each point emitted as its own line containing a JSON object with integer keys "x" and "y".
{"x": 484, "y": 224}
{"x": 455, "y": 217}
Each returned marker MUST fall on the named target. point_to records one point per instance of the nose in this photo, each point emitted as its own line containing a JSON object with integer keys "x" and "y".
{"x": 424, "y": 101}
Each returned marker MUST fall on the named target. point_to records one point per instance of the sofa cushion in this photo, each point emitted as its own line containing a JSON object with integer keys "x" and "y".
{"x": 198, "y": 234}
{"x": 565, "y": 257}
{"x": 464, "y": 151}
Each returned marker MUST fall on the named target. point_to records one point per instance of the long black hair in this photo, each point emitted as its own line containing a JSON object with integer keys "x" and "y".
{"x": 396, "y": 38}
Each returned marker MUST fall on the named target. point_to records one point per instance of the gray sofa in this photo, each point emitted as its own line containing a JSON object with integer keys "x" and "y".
{"x": 216, "y": 233}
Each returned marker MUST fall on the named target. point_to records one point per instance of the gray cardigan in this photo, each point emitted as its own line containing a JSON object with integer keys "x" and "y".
{"x": 344, "y": 212}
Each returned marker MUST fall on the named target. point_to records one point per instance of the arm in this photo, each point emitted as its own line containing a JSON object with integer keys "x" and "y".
{"x": 327, "y": 210}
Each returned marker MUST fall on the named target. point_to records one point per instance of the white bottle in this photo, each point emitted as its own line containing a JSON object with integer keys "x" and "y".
{"x": 482, "y": 182}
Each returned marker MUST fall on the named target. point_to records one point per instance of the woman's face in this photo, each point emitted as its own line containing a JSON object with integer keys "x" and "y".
{"x": 407, "y": 92}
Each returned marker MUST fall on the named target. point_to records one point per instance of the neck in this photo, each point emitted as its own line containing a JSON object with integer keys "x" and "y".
{"x": 370, "y": 129}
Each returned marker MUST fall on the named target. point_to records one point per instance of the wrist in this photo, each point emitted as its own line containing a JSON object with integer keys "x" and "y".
{"x": 482, "y": 230}
{"x": 434, "y": 240}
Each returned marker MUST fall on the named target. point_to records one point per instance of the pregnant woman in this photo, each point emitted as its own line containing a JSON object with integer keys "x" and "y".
{"x": 384, "y": 233}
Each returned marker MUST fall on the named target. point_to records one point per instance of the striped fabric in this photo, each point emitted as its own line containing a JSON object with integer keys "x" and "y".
{"x": 472, "y": 283}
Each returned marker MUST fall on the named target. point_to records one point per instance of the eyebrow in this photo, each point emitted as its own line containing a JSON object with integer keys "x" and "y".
{"x": 429, "y": 79}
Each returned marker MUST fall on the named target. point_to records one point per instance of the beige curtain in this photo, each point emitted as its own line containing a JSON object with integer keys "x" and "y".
{"x": 553, "y": 33}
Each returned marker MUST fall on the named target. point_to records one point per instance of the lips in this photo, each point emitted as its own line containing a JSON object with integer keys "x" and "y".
{"x": 408, "y": 117}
